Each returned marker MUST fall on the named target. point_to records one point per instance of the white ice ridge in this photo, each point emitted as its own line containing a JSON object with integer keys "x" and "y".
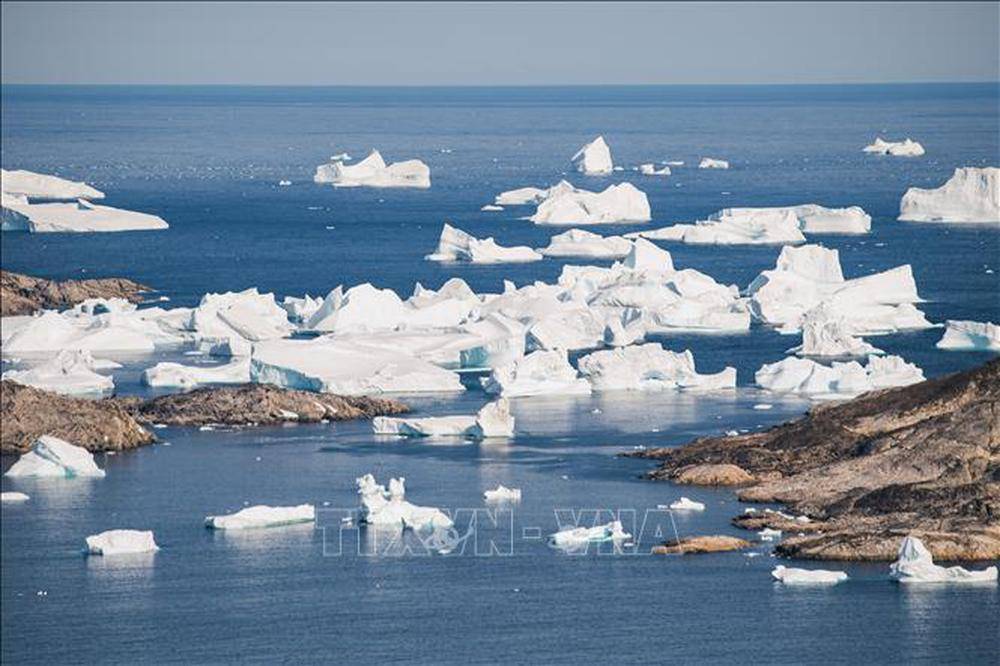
{"x": 457, "y": 245}
{"x": 502, "y": 494}
{"x": 176, "y": 375}
{"x": 972, "y": 194}
{"x": 389, "y": 508}
{"x": 565, "y": 205}
{"x": 581, "y": 243}
{"x": 685, "y": 504}
{"x": 227, "y": 324}
{"x": 493, "y": 420}
{"x": 374, "y": 172}
{"x": 651, "y": 170}
{"x": 594, "y": 159}
{"x": 827, "y": 333}
{"x": 81, "y": 216}
{"x": 121, "y": 542}
{"x": 13, "y": 496}
{"x": 69, "y": 373}
{"x": 263, "y": 516}
{"x": 791, "y": 576}
{"x": 807, "y": 377}
{"x": 812, "y": 218}
{"x": 32, "y": 185}
{"x": 806, "y": 276}
{"x": 970, "y": 336}
{"x": 51, "y": 456}
{"x": 580, "y": 536}
{"x": 649, "y": 367}
{"x": 710, "y": 163}
{"x": 916, "y": 565}
{"x": 538, "y": 373}
{"x": 734, "y": 226}
{"x": 904, "y": 148}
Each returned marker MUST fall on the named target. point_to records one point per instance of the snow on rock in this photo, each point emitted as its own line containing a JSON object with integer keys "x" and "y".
{"x": 812, "y": 218}
{"x": 710, "y": 163}
{"x": 734, "y": 226}
{"x": 502, "y": 494}
{"x": 13, "y": 496}
{"x": 374, "y": 172}
{"x": 121, "y": 542}
{"x": 457, "y": 245}
{"x": 263, "y": 516}
{"x": 904, "y": 148}
{"x": 389, "y": 508}
{"x": 538, "y": 373}
{"x": 827, "y": 333}
{"x": 791, "y": 576}
{"x": 51, "y": 456}
{"x": 580, "y": 243}
{"x": 594, "y": 159}
{"x": 971, "y": 336}
{"x": 176, "y": 375}
{"x": 580, "y": 536}
{"x": 614, "y": 205}
{"x": 685, "y": 504}
{"x": 651, "y": 170}
{"x": 80, "y": 216}
{"x": 30, "y": 185}
{"x": 493, "y": 420}
{"x": 972, "y": 194}
{"x": 69, "y": 372}
{"x": 649, "y": 367}
{"x": 915, "y": 564}
{"x": 807, "y": 377}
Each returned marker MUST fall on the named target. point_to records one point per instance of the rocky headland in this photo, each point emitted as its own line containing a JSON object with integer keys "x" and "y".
{"x": 23, "y": 294}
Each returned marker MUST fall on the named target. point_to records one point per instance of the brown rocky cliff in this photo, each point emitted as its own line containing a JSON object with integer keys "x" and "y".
{"x": 23, "y": 294}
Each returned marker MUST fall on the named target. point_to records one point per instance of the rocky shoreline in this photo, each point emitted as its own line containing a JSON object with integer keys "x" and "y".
{"x": 24, "y": 295}
{"x": 922, "y": 460}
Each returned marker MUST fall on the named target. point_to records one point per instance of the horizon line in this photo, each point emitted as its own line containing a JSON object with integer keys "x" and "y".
{"x": 498, "y": 85}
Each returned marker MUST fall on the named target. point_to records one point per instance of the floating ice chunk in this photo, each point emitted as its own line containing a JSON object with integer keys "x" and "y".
{"x": 812, "y": 218}
{"x": 493, "y": 420}
{"x": 51, "y": 456}
{"x": 121, "y": 542}
{"x": 651, "y": 170}
{"x": 232, "y": 321}
{"x": 13, "y": 496}
{"x": 341, "y": 157}
{"x": 827, "y": 333}
{"x": 538, "y": 373}
{"x": 915, "y": 564}
{"x": 503, "y": 494}
{"x": 284, "y": 183}
{"x": 374, "y": 172}
{"x": 175, "y": 375}
{"x": 790, "y": 576}
{"x": 710, "y": 163}
{"x": 580, "y": 536}
{"x": 389, "y": 508}
{"x": 491, "y": 208}
{"x": 972, "y": 194}
{"x": 594, "y": 159}
{"x": 362, "y": 308}
{"x": 568, "y": 329}
{"x": 457, "y": 245}
{"x": 616, "y": 204}
{"x": 263, "y": 516}
{"x": 524, "y": 196}
{"x": 69, "y": 373}
{"x": 81, "y": 216}
{"x": 805, "y": 376}
{"x": 30, "y": 185}
{"x": 580, "y": 243}
{"x": 767, "y": 534}
{"x": 904, "y": 148}
{"x": 735, "y": 226}
{"x": 300, "y": 309}
{"x": 970, "y": 335}
{"x": 685, "y": 504}
{"x": 649, "y": 367}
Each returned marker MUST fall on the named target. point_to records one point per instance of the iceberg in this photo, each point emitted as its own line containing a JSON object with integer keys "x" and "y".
{"x": 263, "y": 516}
{"x": 493, "y": 420}
{"x": 13, "y": 496}
{"x": 525, "y": 195}
{"x": 580, "y": 243}
{"x": 972, "y": 194}
{"x": 457, "y": 245}
{"x": 812, "y": 218}
{"x": 971, "y": 336}
{"x": 30, "y": 185}
{"x": 491, "y": 208}
{"x": 651, "y": 170}
{"x": 176, "y": 375}
{"x": 734, "y": 226}
{"x": 685, "y": 504}
{"x": 374, "y": 172}
{"x": 81, "y": 216}
{"x": 69, "y": 373}
{"x": 791, "y": 576}
{"x": 121, "y": 542}
{"x": 137, "y": 331}
{"x": 569, "y": 328}
{"x": 503, "y": 494}
{"x": 389, "y": 508}
{"x": 649, "y": 367}
{"x": 300, "y": 309}
{"x": 594, "y": 159}
{"x": 238, "y": 319}
{"x": 580, "y": 536}
{"x": 616, "y": 204}
{"x": 904, "y": 148}
{"x": 52, "y": 457}
{"x": 710, "y": 163}
{"x": 827, "y": 333}
{"x": 538, "y": 373}
{"x": 915, "y": 564}
{"x": 807, "y": 377}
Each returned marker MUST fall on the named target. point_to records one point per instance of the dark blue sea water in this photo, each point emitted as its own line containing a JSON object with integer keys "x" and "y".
{"x": 208, "y": 160}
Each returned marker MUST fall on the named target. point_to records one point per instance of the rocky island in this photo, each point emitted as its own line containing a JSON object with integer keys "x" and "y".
{"x": 23, "y": 294}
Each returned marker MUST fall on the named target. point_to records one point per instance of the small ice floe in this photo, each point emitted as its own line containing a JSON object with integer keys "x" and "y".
{"x": 711, "y": 163}
{"x": 763, "y": 406}
{"x": 206, "y": 428}
{"x": 263, "y": 516}
{"x": 905, "y": 148}
{"x": 374, "y": 172}
{"x": 972, "y": 194}
{"x": 807, "y": 377}
{"x": 970, "y": 336}
{"x": 52, "y": 457}
{"x": 581, "y": 243}
{"x": 340, "y": 157}
{"x": 579, "y": 536}
{"x": 685, "y": 504}
{"x": 456, "y": 245}
{"x": 491, "y": 208}
{"x": 493, "y": 420}
{"x": 177, "y": 375}
{"x": 13, "y": 496}
{"x": 390, "y": 508}
{"x": 121, "y": 542}
{"x": 651, "y": 170}
{"x": 502, "y": 494}
{"x": 767, "y": 534}
{"x": 915, "y": 564}
{"x": 791, "y": 576}
{"x": 284, "y": 183}
{"x": 735, "y": 226}
{"x": 594, "y": 159}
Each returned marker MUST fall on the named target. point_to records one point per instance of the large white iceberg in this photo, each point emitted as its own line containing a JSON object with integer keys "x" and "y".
{"x": 32, "y": 185}
{"x": 711, "y": 163}
{"x": 792, "y": 576}
{"x": 904, "y": 148}
{"x": 971, "y": 336}
{"x": 493, "y": 420}
{"x": 133, "y": 331}
{"x": 121, "y": 542}
{"x": 649, "y": 367}
{"x": 812, "y": 218}
{"x": 176, "y": 375}
{"x": 538, "y": 373}
{"x": 594, "y": 159}
{"x": 826, "y": 332}
{"x": 457, "y": 245}
{"x": 734, "y": 226}
{"x": 580, "y": 243}
{"x": 69, "y": 372}
{"x": 915, "y": 564}
{"x": 81, "y": 216}
{"x": 263, "y": 516}
{"x": 238, "y": 319}
{"x": 389, "y": 508}
{"x": 614, "y": 205}
{"x": 374, "y": 172}
{"x": 51, "y": 456}
{"x": 580, "y": 536}
{"x": 972, "y": 194}
{"x": 807, "y": 377}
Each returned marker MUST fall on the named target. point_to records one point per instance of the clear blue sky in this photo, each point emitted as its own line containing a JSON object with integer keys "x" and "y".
{"x": 452, "y": 43}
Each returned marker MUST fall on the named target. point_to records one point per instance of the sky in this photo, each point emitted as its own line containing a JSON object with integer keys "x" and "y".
{"x": 452, "y": 43}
